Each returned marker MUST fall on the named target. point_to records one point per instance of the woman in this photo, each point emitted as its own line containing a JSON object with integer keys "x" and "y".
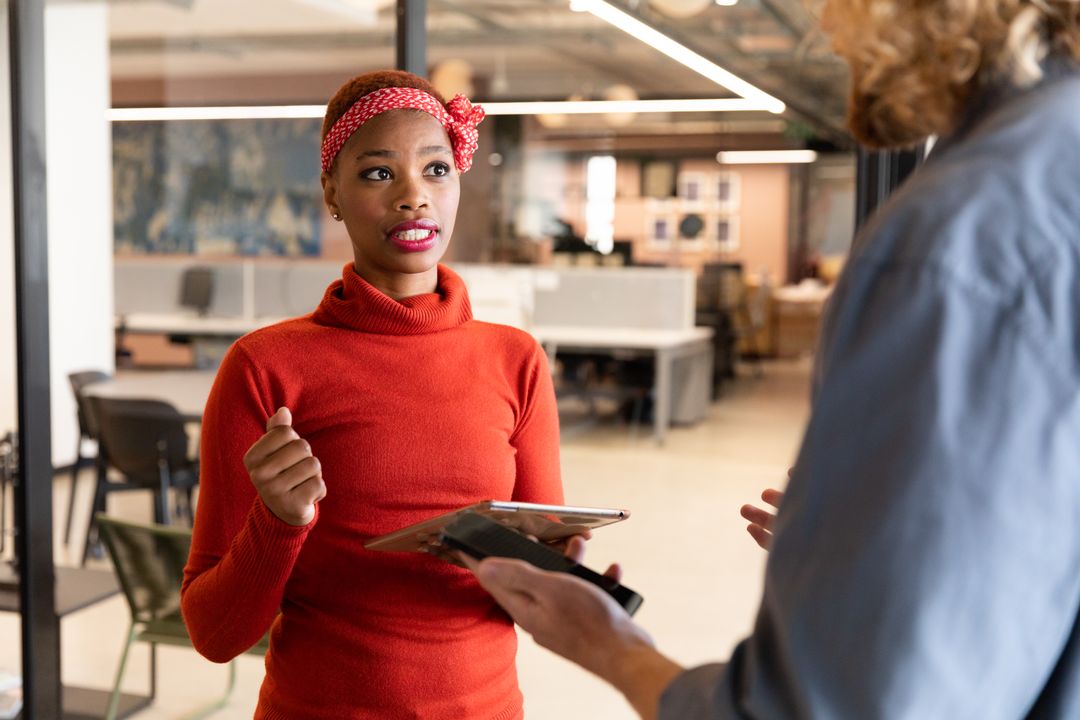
{"x": 924, "y": 563}
{"x": 385, "y": 406}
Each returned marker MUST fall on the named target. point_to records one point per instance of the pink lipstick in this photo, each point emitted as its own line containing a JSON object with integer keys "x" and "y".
{"x": 414, "y": 235}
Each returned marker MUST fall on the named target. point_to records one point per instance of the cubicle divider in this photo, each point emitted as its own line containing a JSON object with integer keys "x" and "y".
{"x": 625, "y": 311}
{"x": 261, "y": 290}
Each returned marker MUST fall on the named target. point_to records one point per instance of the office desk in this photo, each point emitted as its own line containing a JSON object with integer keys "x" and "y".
{"x": 76, "y": 588}
{"x": 690, "y": 391}
{"x": 195, "y": 325}
{"x": 209, "y": 337}
{"x": 186, "y": 390}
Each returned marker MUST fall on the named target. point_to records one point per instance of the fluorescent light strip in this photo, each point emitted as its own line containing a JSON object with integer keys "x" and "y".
{"x": 239, "y": 112}
{"x": 587, "y": 107}
{"x": 765, "y": 157}
{"x": 563, "y": 107}
{"x": 677, "y": 51}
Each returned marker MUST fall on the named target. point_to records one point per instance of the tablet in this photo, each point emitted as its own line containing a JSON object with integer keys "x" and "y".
{"x": 545, "y": 522}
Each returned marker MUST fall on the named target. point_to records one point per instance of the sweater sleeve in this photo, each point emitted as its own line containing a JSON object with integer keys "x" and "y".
{"x": 241, "y": 553}
{"x": 536, "y": 438}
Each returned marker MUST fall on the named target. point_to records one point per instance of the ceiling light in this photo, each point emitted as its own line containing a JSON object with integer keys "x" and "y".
{"x": 727, "y": 3}
{"x": 765, "y": 157}
{"x": 239, "y": 112}
{"x": 677, "y": 51}
{"x": 589, "y": 107}
{"x": 565, "y": 107}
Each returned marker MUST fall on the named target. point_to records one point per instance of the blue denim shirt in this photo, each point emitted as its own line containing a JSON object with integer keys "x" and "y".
{"x": 926, "y": 562}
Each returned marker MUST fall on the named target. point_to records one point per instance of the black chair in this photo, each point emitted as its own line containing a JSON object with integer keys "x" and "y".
{"x": 9, "y": 464}
{"x": 146, "y": 443}
{"x": 723, "y": 304}
{"x": 197, "y": 289}
{"x": 87, "y": 431}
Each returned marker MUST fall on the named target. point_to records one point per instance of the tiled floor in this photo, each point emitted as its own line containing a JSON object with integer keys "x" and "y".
{"x": 684, "y": 549}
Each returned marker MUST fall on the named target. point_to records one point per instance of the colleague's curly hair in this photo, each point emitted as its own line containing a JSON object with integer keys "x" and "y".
{"x": 916, "y": 63}
{"x": 367, "y": 83}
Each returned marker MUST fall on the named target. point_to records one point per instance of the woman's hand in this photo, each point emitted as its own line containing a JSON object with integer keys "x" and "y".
{"x": 286, "y": 475}
{"x": 572, "y": 546}
{"x": 761, "y": 521}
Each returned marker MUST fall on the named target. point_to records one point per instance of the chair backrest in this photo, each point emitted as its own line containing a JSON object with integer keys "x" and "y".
{"x": 136, "y": 434}
{"x": 197, "y": 289}
{"x": 149, "y": 562}
{"x": 720, "y": 286}
{"x": 78, "y": 381}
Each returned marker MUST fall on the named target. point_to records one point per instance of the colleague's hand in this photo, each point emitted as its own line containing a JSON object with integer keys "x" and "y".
{"x": 761, "y": 521}
{"x": 580, "y": 622}
{"x": 286, "y": 475}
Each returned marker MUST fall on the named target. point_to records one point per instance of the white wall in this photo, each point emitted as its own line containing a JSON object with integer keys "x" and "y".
{"x": 7, "y": 245}
{"x": 79, "y": 166}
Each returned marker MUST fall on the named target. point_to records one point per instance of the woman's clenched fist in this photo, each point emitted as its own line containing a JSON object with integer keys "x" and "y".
{"x": 286, "y": 475}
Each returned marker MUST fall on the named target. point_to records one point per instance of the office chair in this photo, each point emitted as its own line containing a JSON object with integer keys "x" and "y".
{"x": 197, "y": 289}
{"x": 149, "y": 564}
{"x": 146, "y": 442}
{"x": 87, "y": 431}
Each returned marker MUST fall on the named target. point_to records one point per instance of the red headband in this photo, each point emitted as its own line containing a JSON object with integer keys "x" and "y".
{"x": 459, "y": 117}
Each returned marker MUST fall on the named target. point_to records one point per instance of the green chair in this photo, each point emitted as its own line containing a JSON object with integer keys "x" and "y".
{"x": 149, "y": 563}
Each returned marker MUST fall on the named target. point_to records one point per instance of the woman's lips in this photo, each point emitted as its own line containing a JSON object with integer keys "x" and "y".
{"x": 415, "y": 235}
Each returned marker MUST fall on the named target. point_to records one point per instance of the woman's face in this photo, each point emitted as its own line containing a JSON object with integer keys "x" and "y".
{"x": 396, "y": 188}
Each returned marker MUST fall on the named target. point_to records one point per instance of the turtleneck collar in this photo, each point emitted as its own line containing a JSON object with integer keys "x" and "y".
{"x": 353, "y": 303}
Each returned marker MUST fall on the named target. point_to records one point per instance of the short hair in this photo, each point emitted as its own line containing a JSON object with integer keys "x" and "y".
{"x": 917, "y": 63}
{"x": 368, "y": 83}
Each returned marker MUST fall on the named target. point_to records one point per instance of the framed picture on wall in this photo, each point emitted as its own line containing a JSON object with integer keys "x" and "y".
{"x": 726, "y": 233}
{"x": 661, "y": 224}
{"x": 658, "y": 179}
{"x": 693, "y": 190}
{"x": 726, "y": 186}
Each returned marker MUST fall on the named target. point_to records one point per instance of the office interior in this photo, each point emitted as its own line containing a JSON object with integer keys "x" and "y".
{"x": 672, "y": 253}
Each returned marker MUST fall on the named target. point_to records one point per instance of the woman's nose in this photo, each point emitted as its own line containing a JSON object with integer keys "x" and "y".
{"x": 413, "y": 195}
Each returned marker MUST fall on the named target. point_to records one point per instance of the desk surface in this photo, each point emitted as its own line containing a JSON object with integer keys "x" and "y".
{"x": 191, "y": 324}
{"x": 76, "y": 588}
{"x": 186, "y": 390}
{"x": 627, "y": 338}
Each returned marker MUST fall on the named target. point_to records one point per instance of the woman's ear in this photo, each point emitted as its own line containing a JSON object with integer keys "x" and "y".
{"x": 329, "y": 189}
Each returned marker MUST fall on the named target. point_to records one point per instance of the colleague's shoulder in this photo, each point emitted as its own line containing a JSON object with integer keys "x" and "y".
{"x": 996, "y": 208}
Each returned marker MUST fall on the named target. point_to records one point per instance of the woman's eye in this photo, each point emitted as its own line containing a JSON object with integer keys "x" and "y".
{"x": 438, "y": 169}
{"x": 379, "y": 173}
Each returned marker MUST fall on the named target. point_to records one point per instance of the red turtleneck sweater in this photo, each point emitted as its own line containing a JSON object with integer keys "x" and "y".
{"x": 413, "y": 409}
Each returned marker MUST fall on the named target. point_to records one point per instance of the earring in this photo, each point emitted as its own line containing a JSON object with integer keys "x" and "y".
{"x": 335, "y": 214}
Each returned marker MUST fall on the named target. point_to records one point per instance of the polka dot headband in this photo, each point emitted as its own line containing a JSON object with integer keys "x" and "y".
{"x": 459, "y": 117}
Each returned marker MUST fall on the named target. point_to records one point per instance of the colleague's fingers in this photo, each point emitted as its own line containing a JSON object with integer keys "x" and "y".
{"x": 614, "y": 572}
{"x": 761, "y": 536}
{"x": 283, "y": 416}
{"x": 509, "y": 581}
{"x": 773, "y": 497}
{"x": 275, "y": 439}
{"x": 757, "y": 516}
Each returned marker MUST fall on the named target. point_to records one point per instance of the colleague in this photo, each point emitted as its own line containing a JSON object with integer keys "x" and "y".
{"x": 387, "y": 405}
{"x": 926, "y": 556}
